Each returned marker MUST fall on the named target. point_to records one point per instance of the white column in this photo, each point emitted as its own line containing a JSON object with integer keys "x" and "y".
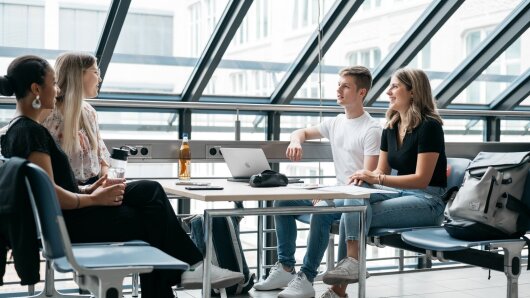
{"x": 51, "y": 24}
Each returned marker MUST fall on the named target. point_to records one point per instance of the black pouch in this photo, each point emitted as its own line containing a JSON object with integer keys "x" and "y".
{"x": 268, "y": 178}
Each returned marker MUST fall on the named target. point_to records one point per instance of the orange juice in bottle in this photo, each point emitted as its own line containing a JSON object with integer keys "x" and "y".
{"x": 184, "y": 158}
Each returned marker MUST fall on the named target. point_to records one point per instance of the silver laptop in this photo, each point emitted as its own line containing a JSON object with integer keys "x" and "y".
{"x": 245, "y": 162}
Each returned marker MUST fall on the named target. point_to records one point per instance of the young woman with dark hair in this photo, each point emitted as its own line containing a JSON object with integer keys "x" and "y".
{"x": 139, "y": 210}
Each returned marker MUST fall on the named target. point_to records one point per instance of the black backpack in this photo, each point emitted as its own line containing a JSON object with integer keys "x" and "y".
{"x": 228, "y": 252}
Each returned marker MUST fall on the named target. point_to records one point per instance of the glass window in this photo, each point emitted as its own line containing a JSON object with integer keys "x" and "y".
{"x": 498, "y": 75}
{"x": 463, "y": 130}
{"x": 525, "y": 102}
{"x": 138, "y": 125}
{"x": 173, "y": 36}
{"x": 459, "y": 36}
{"x": 146, "y": 34}
{"x": 195, "y": 27}
{"x": 291, "y": 123}
{"x": 21, "y": 25}
{"x": 266, "y": 56}
{"x": 360, "y": 43}
{"x": 369, "y": 58}
{"x": 75, "y": 20}
{"x": 515, "y": 131}
{"x": 422, "y": 59}
{"x": 255, "y": 25}
{"x": 371, "y": 4}
{"x": 221, "y": 126}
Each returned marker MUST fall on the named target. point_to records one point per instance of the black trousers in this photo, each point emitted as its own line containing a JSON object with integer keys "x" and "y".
{"x": 147, "y": 215}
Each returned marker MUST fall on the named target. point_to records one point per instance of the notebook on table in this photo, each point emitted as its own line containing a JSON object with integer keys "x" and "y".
{"x": 245, "y": 162}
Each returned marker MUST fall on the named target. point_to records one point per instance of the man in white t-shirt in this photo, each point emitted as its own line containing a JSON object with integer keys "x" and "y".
{"x": 355, "y": 142}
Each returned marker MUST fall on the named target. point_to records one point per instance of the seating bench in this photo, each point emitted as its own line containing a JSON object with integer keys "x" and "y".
{"x": 439, "y": 244}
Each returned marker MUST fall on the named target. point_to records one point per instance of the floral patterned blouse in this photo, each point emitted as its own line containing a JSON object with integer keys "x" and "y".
{"x": 86, "y": 163}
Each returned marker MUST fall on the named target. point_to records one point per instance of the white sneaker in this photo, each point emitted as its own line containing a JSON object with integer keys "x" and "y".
{"x": 278, "y": 278}
{"x": 330, "y": 294}
{"x": 346, "y": 272}
{"x": 299, "y": 287}
{"x": 220, "y": 278}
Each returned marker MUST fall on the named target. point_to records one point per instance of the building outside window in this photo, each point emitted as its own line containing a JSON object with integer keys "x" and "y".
{"x": 371, "y": 4}
{"x": 305, "y": 12}
{"x": 255, "y": 25}
{"x": 142, "y": 33}
{"x": 369, "y": 58}
{"x": 508, "y": 63}
{"x": 21, "y": 25}
{"x": 422, "y": 59}
{"x": 195, "y": 28}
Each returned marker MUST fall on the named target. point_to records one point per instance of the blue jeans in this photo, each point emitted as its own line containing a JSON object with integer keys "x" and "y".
{"x": 402, "y": 209}
{"x": 317, "y": 242}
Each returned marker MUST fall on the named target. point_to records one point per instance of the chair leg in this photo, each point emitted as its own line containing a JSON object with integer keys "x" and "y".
{"x": 512, "y": 266}
{"x": 401, "y": 265}
{"x": 330, "y": 263}
{"x": 49, "y": 286}
{"x": 222, "y": 293}
{"x": 31, "y": 290}
{"x": 135, "y": 284}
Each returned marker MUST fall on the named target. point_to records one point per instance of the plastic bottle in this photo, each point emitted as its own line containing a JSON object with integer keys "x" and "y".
{"x": 118, "y": 164}
{"x": 184, "y": 158}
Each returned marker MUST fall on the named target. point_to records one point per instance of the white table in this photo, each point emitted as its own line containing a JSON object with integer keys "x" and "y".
{"x": 237, "y": 191}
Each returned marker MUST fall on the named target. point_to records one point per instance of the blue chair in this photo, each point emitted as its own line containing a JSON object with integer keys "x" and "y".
{"x": 97, "y": 268}
{"x": 438, "y": 244}
{"x": 382, "y": 237}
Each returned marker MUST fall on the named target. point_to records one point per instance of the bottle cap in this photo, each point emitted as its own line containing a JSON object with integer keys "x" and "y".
{"x": 120, "y": 154}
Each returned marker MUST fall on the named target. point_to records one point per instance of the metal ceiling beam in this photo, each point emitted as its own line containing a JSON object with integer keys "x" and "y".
{"x": 497, "y": 42}
{"x": 332, "y": 25}
{"x": 215, "y": 49}
{"x": 514, "y": 94}
{"x": 111, "y": 32}
{"x": 410, "y": 44}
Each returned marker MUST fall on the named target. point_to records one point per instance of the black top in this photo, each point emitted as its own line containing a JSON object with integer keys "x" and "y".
{"x": 25, "y": 136}
{"x": 427, "y": 137}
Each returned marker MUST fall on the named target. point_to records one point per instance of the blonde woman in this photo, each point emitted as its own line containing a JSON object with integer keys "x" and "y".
{"x": 73, "y": 122}
{"x": 413, "y": 144}
{"x": 139, "y": 210}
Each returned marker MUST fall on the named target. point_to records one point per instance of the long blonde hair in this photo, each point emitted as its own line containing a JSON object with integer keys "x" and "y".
{"x": 423, "y": 104}
{"x": 69, "y": 68}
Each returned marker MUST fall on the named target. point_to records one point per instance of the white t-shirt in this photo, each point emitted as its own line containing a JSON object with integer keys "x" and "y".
{"x": 351, "y": 140}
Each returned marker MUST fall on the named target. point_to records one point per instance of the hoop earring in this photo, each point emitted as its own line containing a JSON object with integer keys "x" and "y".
{"x": 36, "y": 104}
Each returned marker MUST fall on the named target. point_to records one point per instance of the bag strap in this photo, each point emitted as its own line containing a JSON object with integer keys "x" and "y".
{"x": 516, "y": 205}
{"x": 450, "y": 194}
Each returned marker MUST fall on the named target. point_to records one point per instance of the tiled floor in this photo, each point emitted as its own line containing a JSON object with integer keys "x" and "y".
{"x": 451, "y": 283}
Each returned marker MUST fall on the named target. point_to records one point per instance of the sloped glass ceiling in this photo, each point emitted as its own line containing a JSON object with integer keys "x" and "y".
{"x": 498, "y": 76}
{"x": 269, "y": 39}
{"x": 369, "y": 36}
{"x": 160, "y": 43}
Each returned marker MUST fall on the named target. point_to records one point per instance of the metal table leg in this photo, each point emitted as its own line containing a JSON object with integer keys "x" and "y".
{"x": 298, "y": 210}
